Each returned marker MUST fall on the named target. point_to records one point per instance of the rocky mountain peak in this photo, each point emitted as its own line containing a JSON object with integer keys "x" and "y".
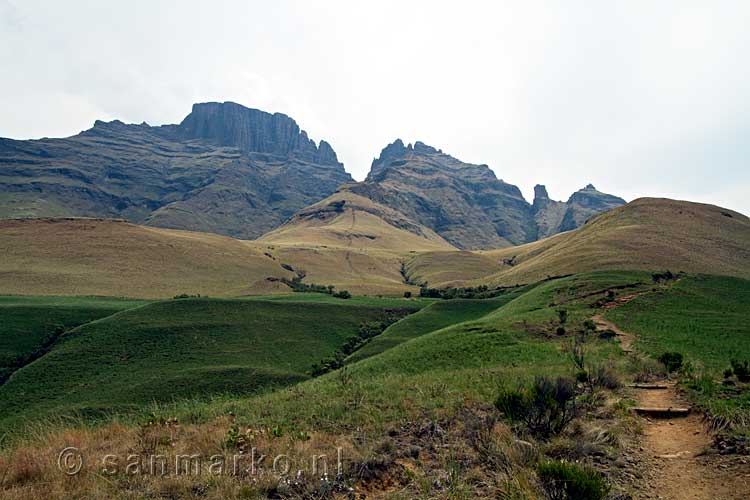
{"x": 540, "y": 193}
{"x": 253, "y": 131}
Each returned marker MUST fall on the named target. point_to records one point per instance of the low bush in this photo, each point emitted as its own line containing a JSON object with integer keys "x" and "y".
{"x": 569, "y": 481}
{"x": 605, "y": 377}
{"x": 544, "y": 409}
{"x": 671, "y": 360}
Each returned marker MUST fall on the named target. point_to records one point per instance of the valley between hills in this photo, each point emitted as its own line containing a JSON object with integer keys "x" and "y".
{"x": 222, "y": 287}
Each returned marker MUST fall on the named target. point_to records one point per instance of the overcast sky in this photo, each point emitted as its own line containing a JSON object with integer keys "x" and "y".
{"x": 639, "y": 98}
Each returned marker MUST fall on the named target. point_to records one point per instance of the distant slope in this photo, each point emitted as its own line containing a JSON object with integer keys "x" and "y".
{"x": 116, "y": 258}
{"x": 646, "y": 234}
{"x": 358, "y": 250}
{"x": 225, "y": 169}
{"x": 182, "y": 348}
{"x": 346, "y": 219}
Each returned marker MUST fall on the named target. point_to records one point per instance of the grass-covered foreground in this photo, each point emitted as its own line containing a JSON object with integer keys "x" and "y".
{"x": 426, "y": 400}
{"x": 440, "y": 405}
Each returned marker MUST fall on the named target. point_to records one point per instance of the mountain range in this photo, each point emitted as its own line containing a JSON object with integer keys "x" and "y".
{"x": 242, "y": 172}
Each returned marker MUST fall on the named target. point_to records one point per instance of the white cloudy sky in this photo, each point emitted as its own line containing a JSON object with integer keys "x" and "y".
{"x": 641, "y": 98}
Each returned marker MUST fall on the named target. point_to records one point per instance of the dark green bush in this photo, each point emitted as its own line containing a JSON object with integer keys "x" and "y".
{"x": 672, "y": 361}
{"x": 607, "y": 334}
{"x": 343, "y": 294}
{"x": 407, "y": 295}
{"x": 568, "y": 481}
{"x": 562, "y": 315}
{"x": 741, "y": 369}
{"x": 545, "y": 408}
{"x": 560, "y": 330}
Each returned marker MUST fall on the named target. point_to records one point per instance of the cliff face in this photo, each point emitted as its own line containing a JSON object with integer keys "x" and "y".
{"x": 466, "y": 204}
{"x": 225, "y": 169}
{"x": 251, "y": 130}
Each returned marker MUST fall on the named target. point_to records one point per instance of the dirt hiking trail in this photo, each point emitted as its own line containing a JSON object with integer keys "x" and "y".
{"x": 673, "y": 448}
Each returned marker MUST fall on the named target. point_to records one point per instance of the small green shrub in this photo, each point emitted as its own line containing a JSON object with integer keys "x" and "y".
{"x": 671, "y": 360}
{"x": 545, "y": 408}
{"x": 562, "y": 315}
{"x": 407, "y": 294}
{"x": 560, "y": 330}
{"x": 568, "y": 481}
{"x": 343, "y": 294}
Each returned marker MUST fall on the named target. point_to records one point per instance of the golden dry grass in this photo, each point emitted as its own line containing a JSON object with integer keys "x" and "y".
{"x": 117, "y": 258}
{"x": 360, "y": 224}
{"x": 646, "y": 234}
{"x": 357, "y": 249}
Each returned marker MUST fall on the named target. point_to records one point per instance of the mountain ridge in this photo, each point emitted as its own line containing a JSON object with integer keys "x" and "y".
{"x": 242, "y": 177}
{"x": 466, "y": 203}
{"x": 243, "y": 172}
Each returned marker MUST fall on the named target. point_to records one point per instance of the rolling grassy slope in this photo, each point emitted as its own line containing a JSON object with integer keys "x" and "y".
{"x": 439, "y": 372}
{"x": 434, "y": 317}
{"x": 354, "y": 248}
{"x": 117, "y": 258}
{"x": 646, "y": 234}
{"x": 416, "y": 404}
{"x": 30, "y": 323}
{"x": 707, "y": 318}
{"x": 181, "y": 348}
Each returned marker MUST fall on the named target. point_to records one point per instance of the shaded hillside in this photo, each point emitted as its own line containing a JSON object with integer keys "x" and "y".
{"x": 646, "y": 234}
{"x": 466, "y": 204}
{"x": 225, "y": 169}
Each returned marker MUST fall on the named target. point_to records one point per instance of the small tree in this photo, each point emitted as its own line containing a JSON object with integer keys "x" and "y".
{"x": 562, "y": 315}
{"x": 407, "y": 294}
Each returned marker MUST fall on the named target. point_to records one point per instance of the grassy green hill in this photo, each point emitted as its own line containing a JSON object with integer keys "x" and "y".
{"x": 182, "y": 348}
{"x": 31, "y": 324}
{"x": 437, "y": 315}
{"x": 704, "y": 317}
